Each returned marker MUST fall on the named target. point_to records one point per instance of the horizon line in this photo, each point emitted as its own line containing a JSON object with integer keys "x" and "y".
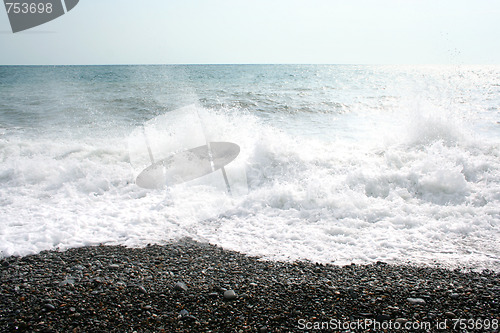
{"x": 254, "y": 64}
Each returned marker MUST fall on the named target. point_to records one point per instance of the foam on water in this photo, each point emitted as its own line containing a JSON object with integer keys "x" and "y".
{"x": 431, "y": 200}
{"x": 415, "y": 184}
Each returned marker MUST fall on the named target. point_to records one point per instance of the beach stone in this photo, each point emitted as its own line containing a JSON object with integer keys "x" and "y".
{"x": 229, "y": 294}
{"x": 180, "y": 286}
{"x": 383, "y": 317}
{"x": 449, "y": 314}
{"x": 67, "y": 282}
{"x": 186, "y": 316}
{"x": 416, "y": 301}
{"x": 49, "y": 307}
{"x": 455, "y": 296}
{"x": 393, "y": 308}
{"x": 352, "y": 292}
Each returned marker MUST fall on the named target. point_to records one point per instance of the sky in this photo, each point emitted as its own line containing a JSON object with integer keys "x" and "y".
{"x": 261, "y": 31}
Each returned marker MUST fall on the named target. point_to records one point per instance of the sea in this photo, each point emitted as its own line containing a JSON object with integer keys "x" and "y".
{"x": 337, "y": 164}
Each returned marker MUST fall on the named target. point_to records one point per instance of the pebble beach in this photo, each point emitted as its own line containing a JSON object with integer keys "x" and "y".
{"x": 187, "y": 286}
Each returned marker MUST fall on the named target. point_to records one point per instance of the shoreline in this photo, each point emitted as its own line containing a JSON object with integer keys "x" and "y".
{"x": 188, "y": 286}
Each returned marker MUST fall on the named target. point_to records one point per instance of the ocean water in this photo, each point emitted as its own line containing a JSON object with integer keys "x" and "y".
{"x": 339, "y": 164}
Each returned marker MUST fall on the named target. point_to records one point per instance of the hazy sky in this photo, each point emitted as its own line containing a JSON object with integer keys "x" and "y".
{"x": 262, "y": 31}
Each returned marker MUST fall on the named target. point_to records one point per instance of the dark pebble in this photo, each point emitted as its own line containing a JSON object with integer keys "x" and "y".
{"x": 180, "y": 286}
{"x": 416, "y": 301}
{"x": 230, "y": 295}
{"x": 49, "y": 307}
{"x": 78, "y": 268}
{"x": 383, "y": 317}
{"x": 67, "y": 282}
{"x": 401, "y": 321}
{"x": 449, "y": 314}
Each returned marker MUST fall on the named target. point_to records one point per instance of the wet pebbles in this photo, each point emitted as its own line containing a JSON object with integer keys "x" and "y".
{"x": 195, "y": 287}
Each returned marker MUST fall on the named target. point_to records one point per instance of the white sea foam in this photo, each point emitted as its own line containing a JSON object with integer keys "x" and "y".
{"x": 329, "y": 201}
{"x": 412, "y": 182}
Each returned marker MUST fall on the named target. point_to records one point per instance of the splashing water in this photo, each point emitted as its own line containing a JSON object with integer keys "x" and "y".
{"x": 342, "y": 163}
